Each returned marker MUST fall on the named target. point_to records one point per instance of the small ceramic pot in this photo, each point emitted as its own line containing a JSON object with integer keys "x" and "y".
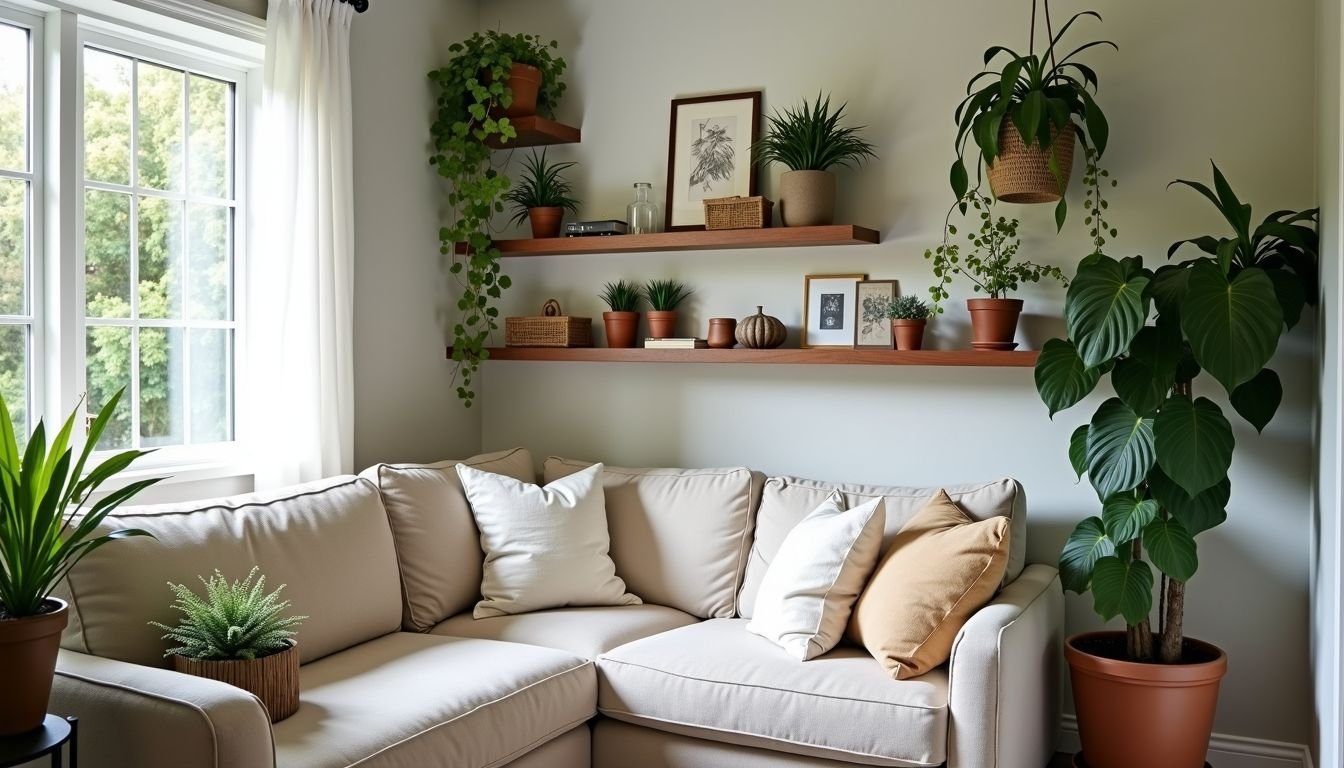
{"x": 807, "y": 198}
{"x": 662, "y": 324}
{"x": 722, "y": 332}
{"x": 994, "y": 322}
{"x": 545, "y": 221}
{"x": 909, "y": 334}
{"x": 622, "y": 328}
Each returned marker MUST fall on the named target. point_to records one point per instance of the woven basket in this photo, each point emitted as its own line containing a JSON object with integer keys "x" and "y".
{"x": 1021, "y": 173}
{"x": 737, "y": 212}
{"x": 274, "y": 679}
{"x": 552, "y": 329}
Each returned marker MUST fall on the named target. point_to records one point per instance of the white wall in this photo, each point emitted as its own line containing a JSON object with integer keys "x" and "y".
{"x": 1182, "y": 89}
{"x": 250, "y": 7}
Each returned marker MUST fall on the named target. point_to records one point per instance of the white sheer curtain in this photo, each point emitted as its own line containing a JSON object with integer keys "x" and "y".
{"x": 300, "y": 289}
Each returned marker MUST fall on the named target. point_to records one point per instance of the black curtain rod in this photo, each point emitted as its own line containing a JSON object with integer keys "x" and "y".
{"x": 360, "y": 6}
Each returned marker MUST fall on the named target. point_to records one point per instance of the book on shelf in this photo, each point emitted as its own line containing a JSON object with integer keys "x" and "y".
{"x": 676, "y": 344}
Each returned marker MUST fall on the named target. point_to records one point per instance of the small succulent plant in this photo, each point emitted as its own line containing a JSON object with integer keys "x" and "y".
{"x": 235, "y": 620}
{"x": 665, "y": 295}
{"x": 907, "y": 307}
{"x": 622, "y": 296}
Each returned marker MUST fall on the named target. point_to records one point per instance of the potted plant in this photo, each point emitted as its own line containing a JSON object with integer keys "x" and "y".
{"x": 542, "y": 196}
{"x": 993, "y": 268}
{"x": 1158, "y": 457}
{"x": 908, "y": 316}
{"x": 622, "y": 322}
{"x": 810, "y": 141}
{"x": 474, "y": 92}
{"x": 664, "y": 297}
{"x": 237, "y": 634}
{"x": 1024, "y": 120}
{"x": 47, "y": 525}
{"x": 530, "y": 81}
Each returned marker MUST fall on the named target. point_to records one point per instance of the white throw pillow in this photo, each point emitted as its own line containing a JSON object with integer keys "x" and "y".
{"x": 544, "y": 547}
{"x": 820, "y": 569}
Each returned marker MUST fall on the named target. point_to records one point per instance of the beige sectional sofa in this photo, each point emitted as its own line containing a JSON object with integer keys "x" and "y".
{"x": 396, "y": 672}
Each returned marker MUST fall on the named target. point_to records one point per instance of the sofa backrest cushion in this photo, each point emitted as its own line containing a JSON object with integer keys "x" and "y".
{"x": 328, "y": 542}
{"x": 438, "y": 545}
{"x": 679, "y": 537}
{"x": 785, "y": 501}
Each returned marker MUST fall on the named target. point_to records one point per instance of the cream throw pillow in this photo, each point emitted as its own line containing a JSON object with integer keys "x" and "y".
{"x": 544, "y": 547}
{"x": 811, "y": 585}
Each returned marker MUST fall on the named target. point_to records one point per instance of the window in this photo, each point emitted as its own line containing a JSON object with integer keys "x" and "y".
{"x": 17, "y": 222}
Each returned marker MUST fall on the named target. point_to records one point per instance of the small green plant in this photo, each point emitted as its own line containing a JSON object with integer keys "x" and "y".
{"x": 810, "y": 138}
{"x": 908, "y": 307}
{"x": 665, "y": 295}
{"x": 542, "y": 186}
{"x": 235, "y": 620}
{"x": 622, "y": 296}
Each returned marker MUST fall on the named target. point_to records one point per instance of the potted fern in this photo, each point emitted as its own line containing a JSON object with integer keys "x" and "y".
{"x": 664, "y": 297}
{"x": 622, "y": 321}
{"x": 238, "y": 634}
{"x": 908, "y": 316}
{"x": 810, "y": 141}
{"x": 48, "y": 523}
{"x": 542, "y": 195}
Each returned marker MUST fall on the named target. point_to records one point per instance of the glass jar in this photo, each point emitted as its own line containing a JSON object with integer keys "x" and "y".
{"x": 641, "y": 216}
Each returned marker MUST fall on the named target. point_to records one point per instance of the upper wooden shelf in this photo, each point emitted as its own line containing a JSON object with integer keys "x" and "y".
{"x": 825, "y": 356}
{"x": 694, "y": 240}
{"x": 537, "y": 132}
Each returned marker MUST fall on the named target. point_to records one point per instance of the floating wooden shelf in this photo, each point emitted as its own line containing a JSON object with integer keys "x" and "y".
{"x": 837, "y": 356}
{"x": 537, "y": 132}
{"x": 696, "y": 240}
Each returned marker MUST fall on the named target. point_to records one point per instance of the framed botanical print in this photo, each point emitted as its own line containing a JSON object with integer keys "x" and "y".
{"x": 709, "y": 154}
{"x": 872, "y": 327}
{"x": 828, "y": 310}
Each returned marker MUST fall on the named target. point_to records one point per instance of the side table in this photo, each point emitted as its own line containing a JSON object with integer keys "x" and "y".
{"x": 56, "y": 732}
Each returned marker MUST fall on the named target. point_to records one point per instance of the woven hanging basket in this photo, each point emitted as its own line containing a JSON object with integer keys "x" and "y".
{"x": 1021, "y": 173}
{"x": 274, "y": 679}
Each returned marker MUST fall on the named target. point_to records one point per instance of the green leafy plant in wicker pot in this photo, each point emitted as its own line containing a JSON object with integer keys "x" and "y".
{"x": 48, "y": 523}
{"x": 622, "y": 321}
{"x": 810, "y": 141}
{"x": 542, "y": 195}
{"x": 1158, "y": 455}
{"x": 238, "y": 633}
{"x": 909, "y": 315}
{"x": 474, "y": 94}
{"x": 664, "y": 297}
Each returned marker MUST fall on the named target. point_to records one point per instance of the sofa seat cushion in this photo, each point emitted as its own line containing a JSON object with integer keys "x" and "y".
{"x": 716, "y": 681}
{"x": 419, "y": 701}
{"x": 586, "y": 632}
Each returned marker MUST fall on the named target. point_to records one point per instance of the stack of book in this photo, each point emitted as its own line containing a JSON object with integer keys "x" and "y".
{"x": 676, "y": 344}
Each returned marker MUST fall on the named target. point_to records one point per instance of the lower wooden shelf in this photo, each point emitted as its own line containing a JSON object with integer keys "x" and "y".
{"x": 829, "y": 356}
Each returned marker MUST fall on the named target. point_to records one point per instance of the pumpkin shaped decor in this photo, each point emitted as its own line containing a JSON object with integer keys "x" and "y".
{"x": 760, "y": 331}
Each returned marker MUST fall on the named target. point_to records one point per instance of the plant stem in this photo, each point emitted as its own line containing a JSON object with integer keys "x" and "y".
{"x": 1173, "y": 614}
{"x": 1139, "y": 637}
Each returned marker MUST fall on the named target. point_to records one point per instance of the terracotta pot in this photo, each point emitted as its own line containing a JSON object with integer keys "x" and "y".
{"x": 274, "y": 679}
{"x": 545, "y": 221}
{"x": 1153, "y": 715}
{"x": 1021, "y": 172}
{"x": 662, "y": 324}
{"x": 722, "y": 332}
{"x": 28, "y": 649}
{"x": 994, "y": 322}
{"x": 622, "y": 328}
{"x": 525, "y": 82}
{"x": 807, "y": 198}
{"x": 909, "y": 334}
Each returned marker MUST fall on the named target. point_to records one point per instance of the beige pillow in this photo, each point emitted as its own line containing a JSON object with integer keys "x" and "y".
{"x": 942, "y": 567}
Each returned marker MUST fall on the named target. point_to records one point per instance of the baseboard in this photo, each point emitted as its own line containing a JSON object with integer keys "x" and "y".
{"x": 1225, "y": 751}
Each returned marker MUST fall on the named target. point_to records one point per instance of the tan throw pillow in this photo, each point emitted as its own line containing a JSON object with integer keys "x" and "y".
{"x": 942, "y": 567}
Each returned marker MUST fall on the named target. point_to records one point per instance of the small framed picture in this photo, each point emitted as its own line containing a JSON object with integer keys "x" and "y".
{"x": 828, "y": 310}
{"x": 871, "y": 324}
{"x": 709, "y": 154}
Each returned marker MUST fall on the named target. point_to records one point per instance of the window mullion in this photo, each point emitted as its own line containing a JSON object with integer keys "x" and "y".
{"x": 60, "y": 310}
{"x": 134, "y": 267}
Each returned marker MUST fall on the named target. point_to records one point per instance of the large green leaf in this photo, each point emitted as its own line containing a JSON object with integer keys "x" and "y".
{"x": 1078, "y": 450}
{"x": 1258, "y": 399}
{"x": 1292, "y": 297}
{"x": 1194, "y": 442}
{"x": 1122, "y": 588}
{"x": 1120, "y": 448}
{"x": 1125, "y": 515}
{"x": 1086, "y": 545}
{"x": 1167, "y": 288}
{"x": 1103, "y": 309}
{"x": 1233, "y": 327}
{"x": 1144, "y": 377}
{"x": 1061, "y": 378}
{"x": 1171, "y": 548}
{"x": 1198, "y": 513}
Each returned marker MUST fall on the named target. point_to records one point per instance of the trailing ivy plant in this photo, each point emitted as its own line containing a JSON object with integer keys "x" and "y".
{"x": 473, "y": 91}
{"x": 1158, "y": 452}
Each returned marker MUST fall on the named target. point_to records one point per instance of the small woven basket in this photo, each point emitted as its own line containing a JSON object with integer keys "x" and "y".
{"x": 274, "y": 679}
{"x": 1021, "y": 173}
{"x": 552, "y": 329}
{"x": 737, "y": 212}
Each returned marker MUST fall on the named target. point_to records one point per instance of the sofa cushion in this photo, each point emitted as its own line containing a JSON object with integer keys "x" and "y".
{"x": 408, "y": 700}
{"x": 438, "y": 547}
{"x": 328, "y": 542}
{"x": 716, "y": 681}
{"x": 679, "y": 537}
{"x": 585, "y": 632}
{"x": 787, "y": 500}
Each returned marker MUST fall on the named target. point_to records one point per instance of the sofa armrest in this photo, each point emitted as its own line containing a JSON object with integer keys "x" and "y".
{"x": 131, "y": 716}
{"x": 1003, "y": 679}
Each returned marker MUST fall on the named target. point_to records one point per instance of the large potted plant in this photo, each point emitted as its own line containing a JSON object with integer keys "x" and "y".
{"x": 1158, "y": 456}
{"x": 542, "y": 196}
{"x": 474, "y": 93}
{"x": 810, "y": 141}
{"x": 48, "y": 522}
